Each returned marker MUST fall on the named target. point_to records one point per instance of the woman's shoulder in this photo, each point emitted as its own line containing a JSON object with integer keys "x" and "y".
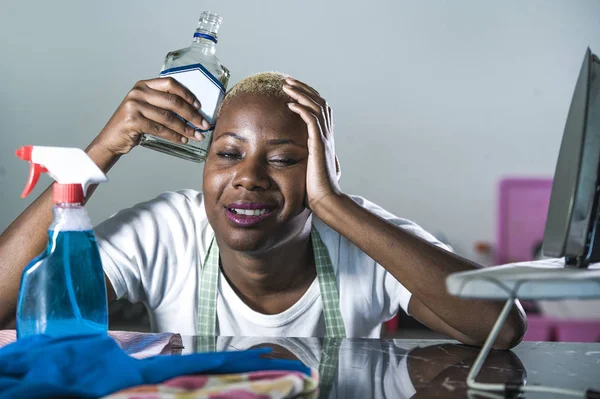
{"x": 184, "y": 198}
{"x": 180, "y": 201}
{"x": 185, "y": 207}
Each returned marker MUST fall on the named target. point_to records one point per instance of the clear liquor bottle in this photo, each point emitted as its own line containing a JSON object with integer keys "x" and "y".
{"x": 198, "y": 68}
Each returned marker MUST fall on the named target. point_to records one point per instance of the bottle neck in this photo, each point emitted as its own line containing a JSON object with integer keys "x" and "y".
{"x": 70, "y": 217}
{"x": 206, "y": 45}
{"x": 208, "y": 27}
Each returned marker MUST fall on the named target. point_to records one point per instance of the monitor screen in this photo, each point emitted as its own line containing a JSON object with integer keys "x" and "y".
{"x": 573, "y": 212}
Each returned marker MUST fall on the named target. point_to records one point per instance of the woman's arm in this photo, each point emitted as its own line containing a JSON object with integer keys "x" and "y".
{"x": 421, "y": 266}
{"x": 150, "y": 107}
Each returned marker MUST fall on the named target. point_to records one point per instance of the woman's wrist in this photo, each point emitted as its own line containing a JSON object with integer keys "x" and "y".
{"x": 331, "y": 207}
{"x": 102, "y": 155}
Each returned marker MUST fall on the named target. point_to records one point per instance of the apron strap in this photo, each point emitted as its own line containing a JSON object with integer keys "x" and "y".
{"x": 206, "y": 319}
{"x": 328, "y": 366}
{"x": 334, "y": 324}
{"x": 206, "y": 324}
{"x": 203, "y": 344}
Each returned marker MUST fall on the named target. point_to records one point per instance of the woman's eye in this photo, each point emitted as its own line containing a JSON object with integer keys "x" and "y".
{"x": 284, "y": 161}
{"x": 229, "y": 155}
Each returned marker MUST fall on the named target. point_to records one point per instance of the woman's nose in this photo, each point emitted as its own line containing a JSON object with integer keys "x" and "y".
{"x": 252, "y": 175}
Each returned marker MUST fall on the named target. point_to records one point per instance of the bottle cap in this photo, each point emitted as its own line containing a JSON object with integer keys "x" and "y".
{"x": 67, "y": 193}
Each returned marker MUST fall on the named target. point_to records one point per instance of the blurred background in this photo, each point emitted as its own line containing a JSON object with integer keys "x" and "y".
{"x": 448, "y": 113}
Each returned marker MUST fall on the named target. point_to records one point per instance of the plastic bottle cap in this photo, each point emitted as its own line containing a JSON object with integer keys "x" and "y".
{"x": 67, "y": 193}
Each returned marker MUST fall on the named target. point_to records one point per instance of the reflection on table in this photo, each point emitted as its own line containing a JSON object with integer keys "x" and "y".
{"x": 371, "y": 368}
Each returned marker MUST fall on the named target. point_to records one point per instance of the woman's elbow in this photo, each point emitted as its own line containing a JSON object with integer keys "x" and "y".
{"x": 513, "y": 330}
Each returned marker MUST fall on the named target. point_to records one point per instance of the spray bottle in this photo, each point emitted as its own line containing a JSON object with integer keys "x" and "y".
{"x": 63, "y": 291}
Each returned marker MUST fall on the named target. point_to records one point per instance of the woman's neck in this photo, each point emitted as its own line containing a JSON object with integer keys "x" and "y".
{"x": 271, "y": 282}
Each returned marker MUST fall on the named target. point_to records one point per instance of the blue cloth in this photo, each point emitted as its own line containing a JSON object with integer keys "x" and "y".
{"x": 90, "y": 366}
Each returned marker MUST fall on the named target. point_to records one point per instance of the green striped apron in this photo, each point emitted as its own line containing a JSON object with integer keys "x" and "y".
{"x": 206, "y": 327}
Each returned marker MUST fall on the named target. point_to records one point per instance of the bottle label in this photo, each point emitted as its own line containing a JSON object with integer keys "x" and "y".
{"x": 207, "y": 89}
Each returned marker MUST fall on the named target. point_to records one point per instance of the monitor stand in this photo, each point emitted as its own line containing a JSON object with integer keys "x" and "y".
{"x": 545, "y": 279}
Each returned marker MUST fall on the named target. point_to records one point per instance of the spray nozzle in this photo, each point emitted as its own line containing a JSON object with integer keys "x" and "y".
{"x": 35, "y": 170}
{"x": 67, "y": 166}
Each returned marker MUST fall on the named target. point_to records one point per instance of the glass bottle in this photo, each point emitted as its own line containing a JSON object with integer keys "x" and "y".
{"x": 198, "y": 68}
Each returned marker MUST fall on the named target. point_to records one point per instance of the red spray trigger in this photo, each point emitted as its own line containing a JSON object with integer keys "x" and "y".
{"x": 34, "y": 170}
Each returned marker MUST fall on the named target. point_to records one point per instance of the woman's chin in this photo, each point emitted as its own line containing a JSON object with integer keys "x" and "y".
{"x": 263, "y": 237}
{"x": 247, "y": 241}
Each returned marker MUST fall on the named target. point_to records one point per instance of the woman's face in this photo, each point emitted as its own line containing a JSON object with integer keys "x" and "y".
{"x": 255, "y": 174}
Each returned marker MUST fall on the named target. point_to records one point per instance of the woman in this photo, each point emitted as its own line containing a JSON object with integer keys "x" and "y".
{"x": 272, "y": 246}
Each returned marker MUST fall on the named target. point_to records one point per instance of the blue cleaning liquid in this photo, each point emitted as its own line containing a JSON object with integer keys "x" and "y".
{"x": 63, "y": 290}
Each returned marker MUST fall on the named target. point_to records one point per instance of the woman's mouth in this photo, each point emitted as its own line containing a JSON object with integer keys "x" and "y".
{"x": 248, "y": 214}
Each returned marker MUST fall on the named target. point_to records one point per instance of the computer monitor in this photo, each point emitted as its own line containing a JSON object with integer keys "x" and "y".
{"x": 572, "y": 223}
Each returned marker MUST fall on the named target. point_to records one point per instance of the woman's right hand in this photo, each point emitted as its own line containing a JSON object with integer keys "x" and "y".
{"x": 151, "y": 107}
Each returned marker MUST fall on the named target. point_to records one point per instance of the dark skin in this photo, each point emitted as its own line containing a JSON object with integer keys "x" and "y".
{"x": 243, "y": 165}
{"x": 270, "y": 151}
{"x": 259, "y": 154}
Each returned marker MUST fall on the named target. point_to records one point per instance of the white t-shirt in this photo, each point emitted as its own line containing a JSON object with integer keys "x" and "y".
{"x": 152, "y": 253}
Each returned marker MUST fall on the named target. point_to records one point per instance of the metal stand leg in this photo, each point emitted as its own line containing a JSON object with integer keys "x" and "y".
{"x": 485, "y": 389}
{"x": 485, "y": 350}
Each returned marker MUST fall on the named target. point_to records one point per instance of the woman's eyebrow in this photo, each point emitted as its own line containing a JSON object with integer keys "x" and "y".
{"x": 282, "y": 142}
{"x": 234, "y": 135}
{"x": 269, "y": 142}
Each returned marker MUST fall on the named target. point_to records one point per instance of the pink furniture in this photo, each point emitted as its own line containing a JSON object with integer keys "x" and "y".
{"x": 539, "y": 328}
{"x": 542, "y": 328}
{"x": 522, "y": 209}
{"x": 577, "y": 330}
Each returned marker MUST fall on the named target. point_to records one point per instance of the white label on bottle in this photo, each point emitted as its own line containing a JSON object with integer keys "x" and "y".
{"x": 207, "y": 89}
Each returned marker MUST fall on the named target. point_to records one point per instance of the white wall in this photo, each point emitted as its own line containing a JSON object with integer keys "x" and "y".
{"x": 434, "y": 101}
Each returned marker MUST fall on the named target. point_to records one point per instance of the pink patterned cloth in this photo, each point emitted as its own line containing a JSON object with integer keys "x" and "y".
{"x": 138, "y": 345}
{"x": 7, "y": 337}
{"x": 255, "y": 385}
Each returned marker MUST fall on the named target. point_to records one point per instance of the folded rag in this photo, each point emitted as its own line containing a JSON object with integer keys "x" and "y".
{"x": 91, "y": 366}
{"x": 253, "y": 385}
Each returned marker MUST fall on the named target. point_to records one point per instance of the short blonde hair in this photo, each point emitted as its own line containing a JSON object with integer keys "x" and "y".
{"x": 266, "y": 84}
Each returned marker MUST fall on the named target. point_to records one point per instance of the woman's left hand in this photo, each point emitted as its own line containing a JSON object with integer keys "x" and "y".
{"x": 321, "y": 172}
